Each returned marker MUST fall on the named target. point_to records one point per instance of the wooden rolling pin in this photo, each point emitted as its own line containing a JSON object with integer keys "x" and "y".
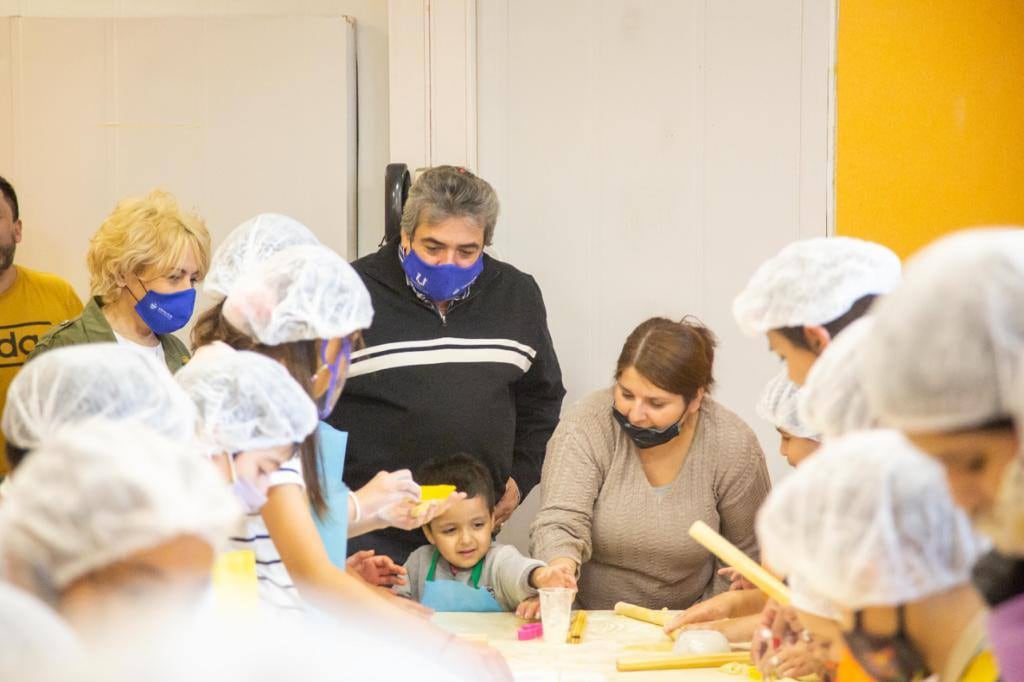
{"x": 629, "y": 664}
{"x": 646, "y": 615}
{"x": 747, "y": 567}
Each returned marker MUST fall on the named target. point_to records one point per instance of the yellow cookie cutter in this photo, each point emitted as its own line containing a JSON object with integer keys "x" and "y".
{"x": 430, "y": 494}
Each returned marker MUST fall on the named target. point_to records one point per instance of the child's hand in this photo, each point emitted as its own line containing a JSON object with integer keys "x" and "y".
{"x": 796, "y": 660}
{"x": 779, "y": 630}
{"x": 376, "y": 570}
{"x": 553, "y": 576}
{"x": 763, "y": 644}
{"x": 736, "y": 581}
{"x": 529, "y": 609}
{"x": 735, "y": 629}
{"x": 725, "y": 605}
{"x": 413, "y": 607}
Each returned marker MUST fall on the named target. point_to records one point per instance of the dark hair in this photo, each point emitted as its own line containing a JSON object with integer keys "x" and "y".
{"x": 997, "y": 424}
{"x": 675, "y": 356}
{"x": 14, "y": 455}
{"x": 301, "y": 360}
{"x": 463, "y": 471}
{"x": 10, "y": 195}
{"x": 860, "y": 307}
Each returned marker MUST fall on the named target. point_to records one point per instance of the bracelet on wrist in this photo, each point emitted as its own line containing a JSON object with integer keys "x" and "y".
{"x": 359, "y": 509}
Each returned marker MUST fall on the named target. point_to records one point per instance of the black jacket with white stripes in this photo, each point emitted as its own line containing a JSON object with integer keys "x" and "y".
{"x": 483, "y": 380}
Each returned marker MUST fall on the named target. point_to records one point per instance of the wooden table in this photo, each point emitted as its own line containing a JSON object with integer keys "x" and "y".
{"x": 593, "y": 660}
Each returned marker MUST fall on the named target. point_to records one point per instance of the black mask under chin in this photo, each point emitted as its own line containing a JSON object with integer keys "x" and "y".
{"x": 886, "y": 658}
{"x": 646, "y": 438}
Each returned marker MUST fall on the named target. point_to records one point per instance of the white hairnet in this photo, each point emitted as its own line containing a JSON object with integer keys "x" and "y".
{"x": 946, "y": 349}
{"x": 260, "y": 647}
{"x": 807, "y": 600}
{"x": 109, "y": 380}
{"x": 98, "y": 491}
{"x": 245, "y": 400}
{"x": 299, "y": 294}
{"x": 778, "y": 407}
{"x": 33, "y": 635}
{"x": 867, "y": 521}
{"x": 813, "y": 282}
{"x": 250, "y": 244}
{"x": 832, "y": 400}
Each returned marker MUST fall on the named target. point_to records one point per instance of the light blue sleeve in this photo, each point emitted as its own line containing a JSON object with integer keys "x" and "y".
{"x": 333, "y": 526}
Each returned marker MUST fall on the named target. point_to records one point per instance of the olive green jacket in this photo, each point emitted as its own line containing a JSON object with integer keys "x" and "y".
{"x": 92, "y": 327}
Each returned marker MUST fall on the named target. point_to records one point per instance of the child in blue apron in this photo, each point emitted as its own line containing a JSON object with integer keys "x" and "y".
{"x": 462, "y": 569}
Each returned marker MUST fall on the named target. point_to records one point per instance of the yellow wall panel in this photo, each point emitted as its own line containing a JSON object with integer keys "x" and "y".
{"x": 930, "y": 118}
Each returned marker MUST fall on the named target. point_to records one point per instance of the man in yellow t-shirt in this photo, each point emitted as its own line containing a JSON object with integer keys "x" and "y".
{"x": 30, "y": 302}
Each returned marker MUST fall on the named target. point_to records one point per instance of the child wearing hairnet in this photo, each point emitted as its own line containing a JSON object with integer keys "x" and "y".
{"x": 833, "y": 401}
{"x": 736, "y": 612}
{"x": 107, "y": 518}
{"x": 945, "y": 365}
{"x": 874, "y": 547}
{"x": 809, "y": 292}
{"x": 251, "y": 417}
{"x": 802, "y": 298}
{"x": 305, "y": 307}
{"x": 250, "y": 244}
{"x": 75, "y": 383}
{"x": 779, "y": 407}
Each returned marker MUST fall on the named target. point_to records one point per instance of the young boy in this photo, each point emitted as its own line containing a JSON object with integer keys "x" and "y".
{"x": 778, "y": 406}
{"x": 462, "y": 569}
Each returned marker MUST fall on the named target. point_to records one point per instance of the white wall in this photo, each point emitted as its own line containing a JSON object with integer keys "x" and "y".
{"x": 432, "y": 60}
{"x": 648, "y": 155}
{"x": 371, "y": 50}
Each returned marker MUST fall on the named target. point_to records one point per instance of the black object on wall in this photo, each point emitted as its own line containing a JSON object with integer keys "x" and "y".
{"x": 396, "y": 190}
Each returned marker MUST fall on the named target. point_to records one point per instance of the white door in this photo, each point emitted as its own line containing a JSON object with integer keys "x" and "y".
{"x": 648, "y": 155}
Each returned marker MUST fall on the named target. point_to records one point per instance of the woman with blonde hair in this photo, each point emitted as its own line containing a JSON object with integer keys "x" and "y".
{"x": 144, "y": 262}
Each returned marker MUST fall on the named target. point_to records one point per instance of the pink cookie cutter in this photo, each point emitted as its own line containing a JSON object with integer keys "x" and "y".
{"x": 530, "y": 631}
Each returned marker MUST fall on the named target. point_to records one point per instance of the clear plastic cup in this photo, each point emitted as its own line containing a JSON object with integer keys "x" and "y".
{"x": 555, "y": 612}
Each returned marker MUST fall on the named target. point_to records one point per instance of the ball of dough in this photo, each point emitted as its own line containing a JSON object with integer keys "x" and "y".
{"x": 701, "y": 642}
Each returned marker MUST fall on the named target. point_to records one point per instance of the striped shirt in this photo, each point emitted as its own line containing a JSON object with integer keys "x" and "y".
{"x": 481, "y": 379}
{"x": 276, "y": 588}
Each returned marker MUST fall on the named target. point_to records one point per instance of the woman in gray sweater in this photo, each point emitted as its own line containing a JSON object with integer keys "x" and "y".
{"x": 631, "y": 467}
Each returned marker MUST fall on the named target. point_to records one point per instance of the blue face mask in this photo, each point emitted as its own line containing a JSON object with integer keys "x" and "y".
{"x": 166, "y": 313}
{"x": 439, "y": 282}
{"x": 326, "y": 402}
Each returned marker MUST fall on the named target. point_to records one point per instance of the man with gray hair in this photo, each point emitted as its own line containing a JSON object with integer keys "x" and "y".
{"x": 459, "y": 358}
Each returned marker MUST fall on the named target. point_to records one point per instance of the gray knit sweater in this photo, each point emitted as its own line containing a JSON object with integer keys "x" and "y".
{"x": 598, "y": 508}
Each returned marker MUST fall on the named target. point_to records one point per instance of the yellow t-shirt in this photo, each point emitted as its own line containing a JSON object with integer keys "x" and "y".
{"x": 36, "y": 302}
